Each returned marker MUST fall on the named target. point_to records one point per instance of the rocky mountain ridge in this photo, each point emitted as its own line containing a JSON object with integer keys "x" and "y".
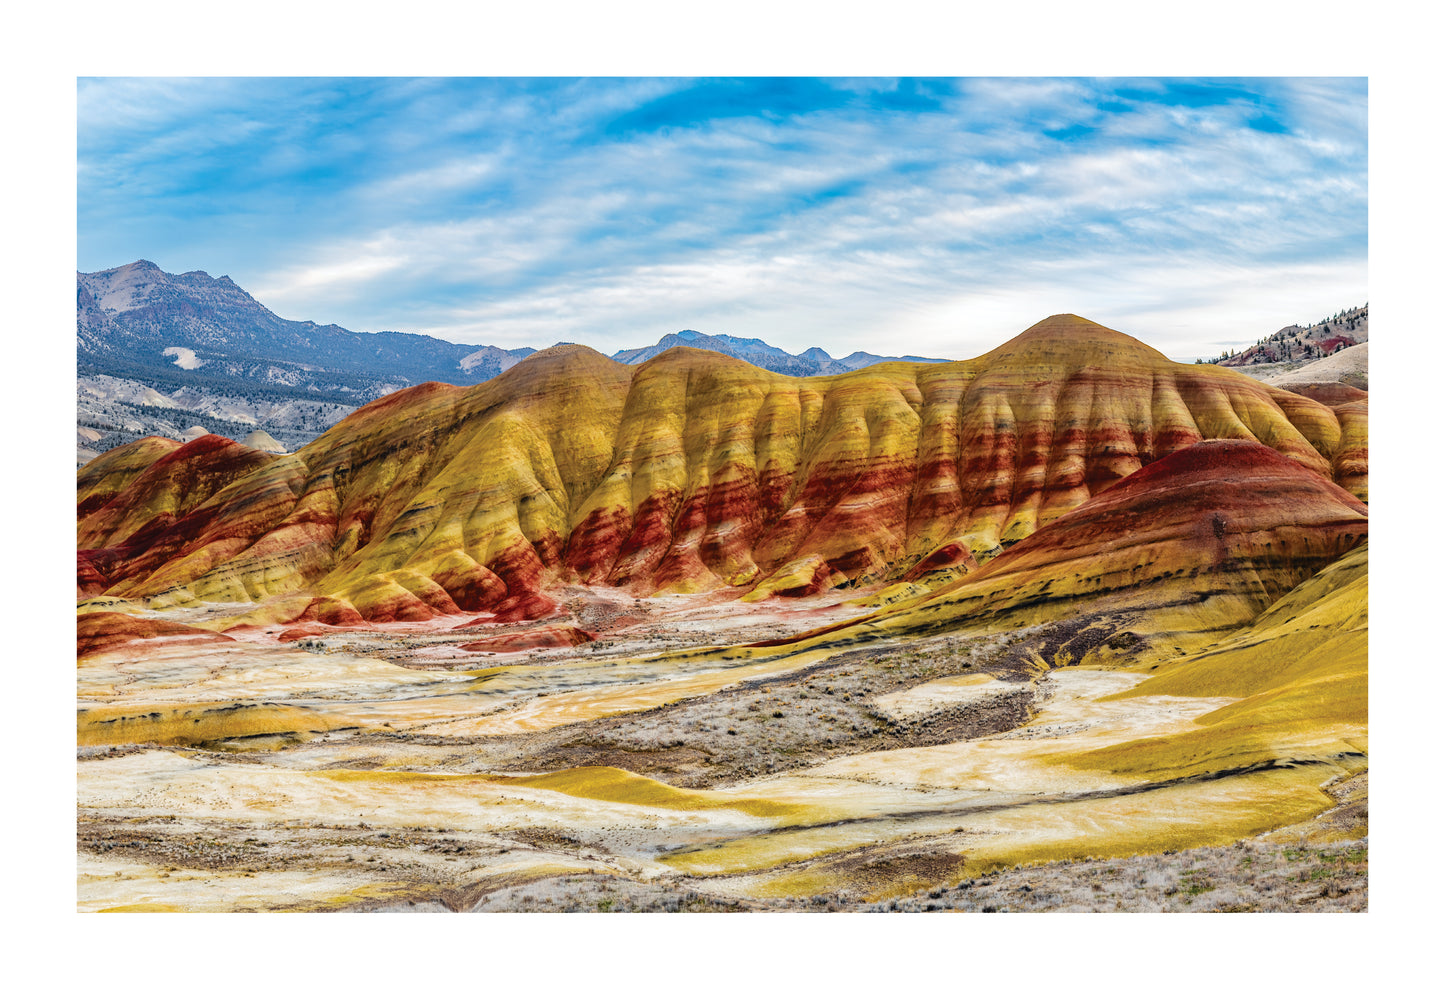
{"x": 1298, "y": 344}
{"x": 129, "y": 316}
{"x": 811, "y": 362}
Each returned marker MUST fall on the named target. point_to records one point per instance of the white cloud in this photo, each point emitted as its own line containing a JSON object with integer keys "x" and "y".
{"x": 460, "y": 173}
{"x": 307, "y": 283}
{"x": 508, "y": 215}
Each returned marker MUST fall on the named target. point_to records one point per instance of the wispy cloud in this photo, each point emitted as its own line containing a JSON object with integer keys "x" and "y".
{"x": 929, "y": 216}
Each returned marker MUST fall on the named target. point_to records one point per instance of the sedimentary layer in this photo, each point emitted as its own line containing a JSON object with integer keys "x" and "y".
{"x": 692, "y": 472}
{"x": 1201, "y": 541}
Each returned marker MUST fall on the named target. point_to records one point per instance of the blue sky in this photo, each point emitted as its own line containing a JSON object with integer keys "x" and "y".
{"x": 931, "y": 216}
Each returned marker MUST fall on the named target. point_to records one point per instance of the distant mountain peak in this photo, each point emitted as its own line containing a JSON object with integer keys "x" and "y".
{"x": 129, "y": 316}
{"x": 812, "y": 362}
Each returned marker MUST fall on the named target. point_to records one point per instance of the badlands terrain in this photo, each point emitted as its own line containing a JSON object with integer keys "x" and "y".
{"x": 1067, "y": 626}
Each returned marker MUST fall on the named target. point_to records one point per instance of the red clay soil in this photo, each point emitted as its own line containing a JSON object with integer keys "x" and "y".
{"x": 541, "y": 638}
{"x": 1330, "y": 393}
{"x": 104, "y": 631}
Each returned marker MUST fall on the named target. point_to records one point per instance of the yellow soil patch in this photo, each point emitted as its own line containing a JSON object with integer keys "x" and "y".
{"x": 1212, "y": 750}
{"x": 765, "y": 851}
{"x": 893, "y": 594}
{"x": 1299, "y": 669}
{"x": 145, "y": 908}
{"x": 620, "y": 786}
{"x": 110, "y": 886}
{"x": 1188, "y": 815}
{"x": 873, "y": 877}
{"x": 190, "y": 725}
{"x": 97, "y": 604}
{"x": 165, "y": 782}
{"x": 604, "y": 783}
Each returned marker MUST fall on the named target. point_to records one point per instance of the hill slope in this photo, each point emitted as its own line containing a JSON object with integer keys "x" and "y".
{"x": 1201, "y": 541}
{"x": 1304, "y": 343}
{"x": 690, "y": 472}
{"x": 1299, "y": 669}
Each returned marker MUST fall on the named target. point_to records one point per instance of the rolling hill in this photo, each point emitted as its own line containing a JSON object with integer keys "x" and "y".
{"x": 691, "y": 472}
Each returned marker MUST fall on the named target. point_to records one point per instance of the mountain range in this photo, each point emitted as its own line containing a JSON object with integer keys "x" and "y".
{"x": 138, "y": 318}
{"x": 810, "y": 363}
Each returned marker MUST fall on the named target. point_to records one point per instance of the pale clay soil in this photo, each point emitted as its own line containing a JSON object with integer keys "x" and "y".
{"x": 1350, "y": 366}
{"x": 868, "y": 778}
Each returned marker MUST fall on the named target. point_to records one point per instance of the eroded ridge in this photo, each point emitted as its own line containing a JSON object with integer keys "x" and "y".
{"x": 692, "y": 472}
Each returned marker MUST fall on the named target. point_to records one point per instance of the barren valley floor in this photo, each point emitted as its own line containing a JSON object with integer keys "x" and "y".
{"x": 670, "y": 765}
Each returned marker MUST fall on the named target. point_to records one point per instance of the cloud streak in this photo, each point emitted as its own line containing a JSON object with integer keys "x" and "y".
{"x": 928, "y": 216}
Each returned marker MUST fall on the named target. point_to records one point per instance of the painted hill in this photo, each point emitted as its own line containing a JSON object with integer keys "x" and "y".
{"x": 103, "y": 631}
{"x": 1299, "y": 669}
{"x": 1200, "y": 541}
{"x": 690, "y": 472}
{"x": 1225, "y": 570}
{"x": 259, "y": 439}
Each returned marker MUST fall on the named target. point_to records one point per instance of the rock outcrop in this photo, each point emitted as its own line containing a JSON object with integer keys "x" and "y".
{"x": 259, "y": 439}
